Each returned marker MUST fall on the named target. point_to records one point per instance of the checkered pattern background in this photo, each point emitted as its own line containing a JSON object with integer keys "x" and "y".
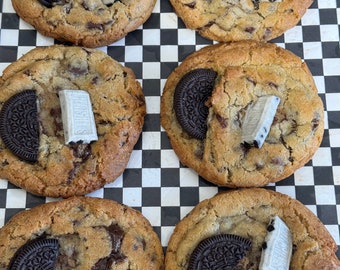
{"x": 155, "y": 182}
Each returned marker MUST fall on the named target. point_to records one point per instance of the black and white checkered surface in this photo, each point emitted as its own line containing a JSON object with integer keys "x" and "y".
{"x": 155, "y": 182}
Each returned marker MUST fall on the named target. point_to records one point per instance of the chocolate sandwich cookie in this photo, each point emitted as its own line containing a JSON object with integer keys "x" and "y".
{"x": 242, "y": 114}
{"x": 260, "y": 20}
{"x": 89, "y": 23}
{"x": 34, "y": 152}
{"x": 80, "y": 233}
{"x": 228, "y": 231}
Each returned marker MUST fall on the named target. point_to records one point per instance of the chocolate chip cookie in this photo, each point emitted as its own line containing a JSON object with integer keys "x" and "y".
{"x": 33, "y": 151}
{"x": 205, "y": 101}
{"x": 243, "y": 216}
{"x": 233, "y": 20}
{"x": 80, "y": 233}
{"x": 89, "y": 23}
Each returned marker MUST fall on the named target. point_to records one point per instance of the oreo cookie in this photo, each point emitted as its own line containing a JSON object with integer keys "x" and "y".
{"x": 36, "y": 254}
{"x": 223, "y": 251}
{"x": 19, "y": 127}
{"x": 50, "y": 3}
{"x": 190, "y": 96}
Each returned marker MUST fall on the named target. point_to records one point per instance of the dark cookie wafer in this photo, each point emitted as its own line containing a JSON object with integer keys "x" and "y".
{"x": 191, "y": 94}
{"x": 89, "y": 23}
{"x": 36, "y": 254}
{"x": 92, "y": 234}
{"x": 19, "y": 127}
{"x": 118, "y": 104}
{"x": 246, "y": 213}
{"x": 222, "y": 251}
{"x": 246, "y": 71}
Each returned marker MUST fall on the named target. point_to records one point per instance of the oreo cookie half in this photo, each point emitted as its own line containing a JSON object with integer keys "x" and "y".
{"x": 191, "y": 93}
{"x": 36, "y": 254}
{"x": 48, "y": 3}
{"x": 223, "y": 251}
{"x": 19, "y": 127}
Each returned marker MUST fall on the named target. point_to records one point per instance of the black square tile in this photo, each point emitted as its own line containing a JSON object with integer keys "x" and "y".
{"x": 315, "y": 66}
{"x": 333, "y": 119}
{"x": 3, "y": 198}
{"x": 311, "y": 33}
{"x": 325, "y": 140}
{"x": 10, "y": 212}
{"x": 189, "y": 196}
{"x": 132, "y": 177}
{"x": 137, "y": 68}
{"x": 289, "y": 181}
{"x": 151, "y": 158}
{"x": 167, "y": 68}
{"x": 33, "y": 200}
{"x": 151, "y": 53}
{"x": 332, "y": 84}
{"x": 335, "y": 151}
{"x": 151, "y": 87}
{"x": 184, "y": 51}
{"x": 153, "y": 22}
{"x": 328, "y": 16}
{"x": 165, "y": 141}
{"x": 117, "y": 53}
{"x": 170, "y": 216}
{"x": 152, "y": 122}
{"x": 305, "y": 194}
{"x": 27, "y": 37}
{"x": 296, "y": 48}
{"x": 330, "y": 50}
{"x": 165, "y": 6}
{"x": 169, "y": 37}
{"x": 114, "y": 194}
{"x": 151, "y": 196}
{"x": 10, "y": 21}
{"x": 134, "y": 38}
{"x": 327, "y": 214}
{"x": 169, "y": 177}
{"x": 323, "y": 175}
{"x": 8, "y": 54}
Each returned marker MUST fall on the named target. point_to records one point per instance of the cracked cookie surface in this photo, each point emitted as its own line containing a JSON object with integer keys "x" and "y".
{"x": 246, "y": 213}
{"x": 89, "y": 23}
{"x": 248, "y": 70}
{"x": 232, "y": 20}
{"x": 118, "y": 105}
{"x": 92, "y": 233}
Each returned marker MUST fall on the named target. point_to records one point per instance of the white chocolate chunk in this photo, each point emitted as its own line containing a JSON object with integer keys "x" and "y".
{"x": 77, "y": 116}
{"x": 258, "y": 120}
{"x": 278, "y": 249}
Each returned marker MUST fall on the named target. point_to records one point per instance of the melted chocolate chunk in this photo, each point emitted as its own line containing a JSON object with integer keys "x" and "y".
{"x": 36, "y": 254}
{"x": 191, "y": 93}
{"x": 49, "y": 3}
{"x": 223, "y": 251}
{"x": 116, "y": 235}
{"x": 19, "y": 126}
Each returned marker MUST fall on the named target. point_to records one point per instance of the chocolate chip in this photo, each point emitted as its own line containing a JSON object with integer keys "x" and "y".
{"x": 48, "y": 3}
{"x": 223, "y": 251}
{"x": 191, "y": 5}
{"x": 250, "y": 29}
{"x": 19, "y": 126}
{"x": 95, "y": 26}
{"x": 191, "y": 93}
{"x": 223, "y": 121}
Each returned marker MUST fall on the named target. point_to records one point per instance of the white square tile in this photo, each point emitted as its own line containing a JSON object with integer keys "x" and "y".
{"x": 288, "y": 190}
{"x": 170, "y": 196}
{"x": 99, "y": 193}
{"x": 334, "y": 231}
{"x": 3, "y": 183}
{"x": 9, "y": 37}
{"x": 336, "y": 175}
{"x": 304, "y": 176}
{"x": 169, "y": 53}
{"x": 186, "y": 37}
{"x": 334, "y": 137}
{"x": 118, "y": 183}
{"x": 7, "y": 7}
{"x": 327, "y": 4}
{"x": 312, "y": 208}
{"x": 152, "y": 104}
{"x": 133, "y": 54}
{"x": 151, "y": 37}
{"x": 151, "y": 70}
{"x": 333, "y": 101}
{"x": 23, "y": 25}
{"x": 331, "y": 66}
{"x": 329, "y": 32}
{"x": 312, "y": 50}
{"x": 184, "y": 210}
{"x": 153, "y": 214}
{"x": 293, "y": 35}
{"x": 325, "y": 195}
{"x": 169, "y": 159}
{"x": 132, "y": 197}
{"x": 151, "y": 140}
{"x": 320, "y": 84}
{"x": 207, "y": 192}
{"x": 22, "y": 50}
{"x": 168, "y": 20}
{"x": 188, "y": 177}
{"x": 135, "y": 159}
{"x": 2, "y": 217}
{"x": 151, "y": 177}
{"x": 16, "y": 198}
{"x": 322, "y": 157}
{"x": 166, "y": 232}
{"x": 311, "y": 17}
{"x": 44, "y": 41}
